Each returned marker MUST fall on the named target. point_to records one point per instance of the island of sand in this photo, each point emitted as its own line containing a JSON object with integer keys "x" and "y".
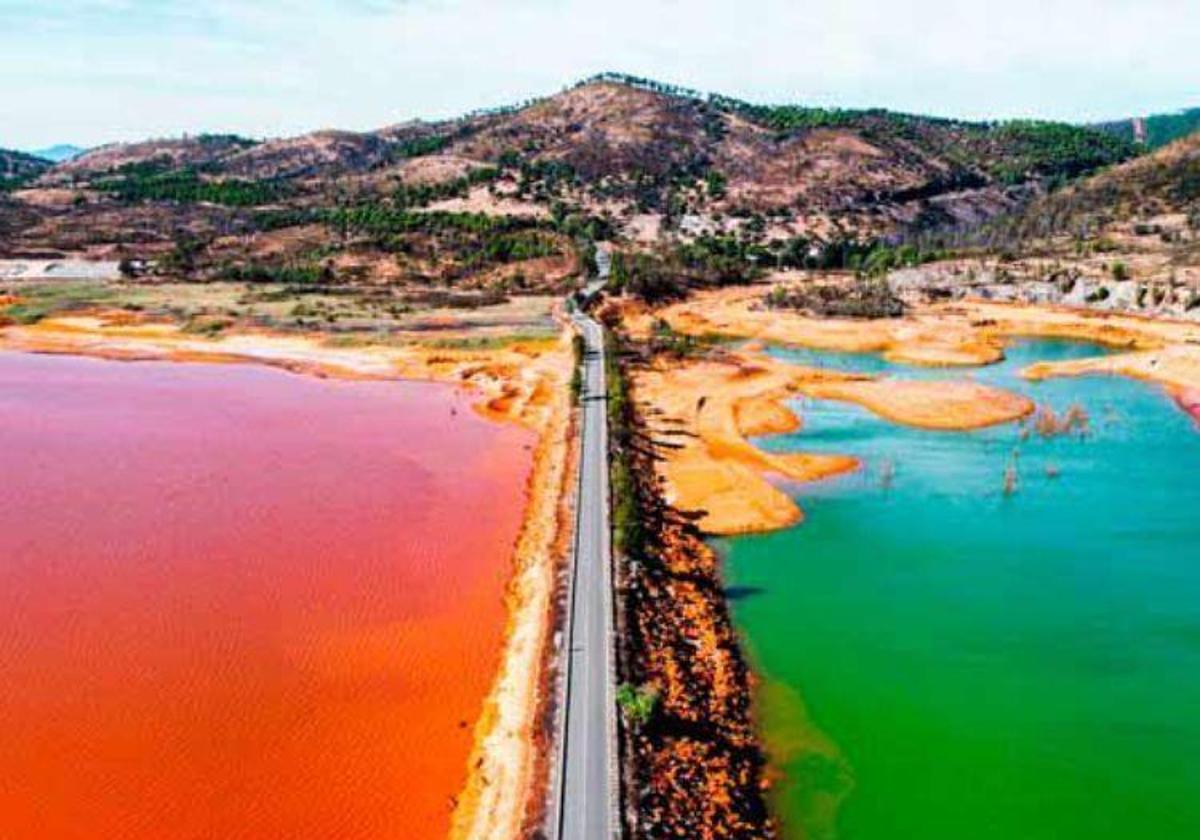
{"x": 705, "y": 410}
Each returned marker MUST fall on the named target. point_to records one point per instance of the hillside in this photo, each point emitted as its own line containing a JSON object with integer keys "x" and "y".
{"x": 17, "y": 168}
{"x": 611, "y": 156}
{"x": 1126, "y": 239}
{"x": 60, "y": 153}
{"x": 1163, "y": 184}
{"x": 1156, "y": 130}
{"x": 203, "y": 150}
{"x": 654, "y": 148}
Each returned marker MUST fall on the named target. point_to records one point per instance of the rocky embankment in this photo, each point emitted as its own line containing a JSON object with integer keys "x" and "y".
{"x": 692, "y": 767}
{"x": 1176, "y": 295}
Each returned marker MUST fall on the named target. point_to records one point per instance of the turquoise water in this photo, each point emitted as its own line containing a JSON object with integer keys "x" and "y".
{"x": 943, "y": 660}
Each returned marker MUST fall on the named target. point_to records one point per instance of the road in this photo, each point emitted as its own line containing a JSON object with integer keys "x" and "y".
{"x": 587, "y": 800}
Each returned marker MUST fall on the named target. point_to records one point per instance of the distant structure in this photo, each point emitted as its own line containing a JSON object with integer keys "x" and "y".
{"x": 60, "y": 270}
{"x": 1139, "y": 130}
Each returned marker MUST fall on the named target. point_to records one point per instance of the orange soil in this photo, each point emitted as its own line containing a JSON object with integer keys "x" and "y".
{"x": 960, "y": 333}
{"x": 739, "y": 312}
{"x": 701, "y": 413}
{"x": 1164, "y": 352}
{"x": 929, "y": 404}
{"x": 523, "y": 382}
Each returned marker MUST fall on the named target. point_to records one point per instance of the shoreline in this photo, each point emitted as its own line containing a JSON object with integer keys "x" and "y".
{"x": 707, "y": 410}
{"x": 699, "y": 416}
{"x": 524, "y": 383}
{"x": 1190, "y": 402}
{"x": 967, "y": 333}
{"x": 693, "y": 767}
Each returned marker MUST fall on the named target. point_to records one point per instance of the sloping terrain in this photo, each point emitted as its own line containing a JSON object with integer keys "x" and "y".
{"x": 1156, "y": 130}
{"x": 18, "y": 167}
{"x": 1126, "y": 239}
{"x": 675, "y": 152}
{"x": 611, "y": 156}
{"x": 203, "y": 150}
{"x": 1166, "y": 181}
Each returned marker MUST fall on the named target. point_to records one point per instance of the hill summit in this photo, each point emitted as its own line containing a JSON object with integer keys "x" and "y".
{"x": 637, "y": 157}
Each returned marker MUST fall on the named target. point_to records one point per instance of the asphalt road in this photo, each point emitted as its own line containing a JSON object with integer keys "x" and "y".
{"x": 588, "y": 801}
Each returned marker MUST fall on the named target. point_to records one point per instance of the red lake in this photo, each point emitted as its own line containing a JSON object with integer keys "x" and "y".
{"x": 240, "y": 603}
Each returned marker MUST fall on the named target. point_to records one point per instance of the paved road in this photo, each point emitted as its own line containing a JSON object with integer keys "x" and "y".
{"x": 588, "y": 797}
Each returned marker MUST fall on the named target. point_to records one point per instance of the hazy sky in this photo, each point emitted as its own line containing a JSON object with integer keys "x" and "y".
{"x": 91, "y": 71}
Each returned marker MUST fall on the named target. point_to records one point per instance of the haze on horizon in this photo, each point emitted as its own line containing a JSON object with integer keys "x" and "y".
{"x": 95, "y": 71}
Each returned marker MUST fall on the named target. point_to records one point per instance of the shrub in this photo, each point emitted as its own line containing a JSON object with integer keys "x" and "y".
{"x": 637, "y": 704}
{"x": 864, "y": 299}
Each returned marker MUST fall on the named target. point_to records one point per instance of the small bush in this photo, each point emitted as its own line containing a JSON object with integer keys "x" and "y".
{"x": 637, "y": 704}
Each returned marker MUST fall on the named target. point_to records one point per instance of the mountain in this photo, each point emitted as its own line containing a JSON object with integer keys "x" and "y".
{"x": 612, "y": 154}
{"x": 1164, "y": 183}
{"x": 659, "y": 149}
{"x": 199, "y": 151}
{"x": 18, "y": 168}
{"x": 15, "y": 164}
{"x": 1156, "y": 130}
{"x": 60, "y": 153}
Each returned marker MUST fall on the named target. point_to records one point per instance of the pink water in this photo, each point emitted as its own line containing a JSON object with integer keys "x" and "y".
{"x": 238, "y": 603}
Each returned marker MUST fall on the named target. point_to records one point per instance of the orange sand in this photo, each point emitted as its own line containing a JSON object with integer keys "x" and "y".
{"x": 929, "y": 404}
{"x": 739, "y": 312}
{"x": 950, "y": 334}
{"x": 701, "y": 413}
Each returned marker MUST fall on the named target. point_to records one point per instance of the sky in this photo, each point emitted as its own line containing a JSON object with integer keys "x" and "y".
{"x": 94, "y": 71}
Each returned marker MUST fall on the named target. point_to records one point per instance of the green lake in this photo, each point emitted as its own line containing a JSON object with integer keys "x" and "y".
{"x": 940, "y": 659}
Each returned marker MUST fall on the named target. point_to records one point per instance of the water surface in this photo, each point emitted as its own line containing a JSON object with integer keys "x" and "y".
{"x": 943, "y": 660}
{"x": 239, "y": 603}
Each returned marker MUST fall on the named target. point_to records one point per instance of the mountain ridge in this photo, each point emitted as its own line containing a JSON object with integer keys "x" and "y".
{"x": 647, "y": 161}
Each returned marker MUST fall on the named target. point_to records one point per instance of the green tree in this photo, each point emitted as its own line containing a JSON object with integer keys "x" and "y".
{"x": 637, "y": 704}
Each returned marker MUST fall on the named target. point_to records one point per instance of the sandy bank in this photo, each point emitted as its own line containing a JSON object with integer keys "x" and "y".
{"x": 740, "y": 313}
{"x": 949, "y": 334}
{"x": 957, "y": 405}
{"x": 1163, "y": 352}
{"x": 701, "y": 413}
{"x": 508, "y": 377}
{"x": 523, "y": 382}
{"x": 1175, "y": 367}
{"x": 508, "y": 762}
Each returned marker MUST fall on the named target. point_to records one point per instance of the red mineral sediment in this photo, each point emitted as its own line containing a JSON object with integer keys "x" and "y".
{"x": 241, "y": 603}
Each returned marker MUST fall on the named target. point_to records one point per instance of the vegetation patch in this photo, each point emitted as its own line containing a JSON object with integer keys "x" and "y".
{"x": 139, "y": 183}
{"x": 691, "y": 766}
{"x": 44, "y": 300}
{"x": 863, "y": 298}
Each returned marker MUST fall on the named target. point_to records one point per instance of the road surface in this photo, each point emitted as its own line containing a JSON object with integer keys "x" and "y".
{"x": 588, "y": 798}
